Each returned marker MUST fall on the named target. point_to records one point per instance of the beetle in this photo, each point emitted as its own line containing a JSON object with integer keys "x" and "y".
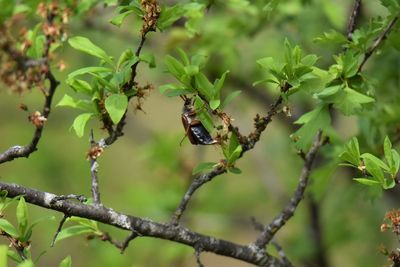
{"x": 195, "y": 130}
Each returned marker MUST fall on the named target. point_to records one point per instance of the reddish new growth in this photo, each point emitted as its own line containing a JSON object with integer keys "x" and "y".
{"x": 152, "y": 12}
{"x": 21, "y": 68}
{"x": 141, "y": 94}
{"x": 37, "y": 119}
{"x": 94, "y": 152}
{"x": 394, "y": 222}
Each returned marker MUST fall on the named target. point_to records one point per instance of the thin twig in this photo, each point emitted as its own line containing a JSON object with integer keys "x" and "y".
{"x": 260, "y": 227}
{"x": 197, "y": 253}
{"x": 18, "y": 246}
{"x": 196, "y": 184}
{"x": 93, "y": 172}
{"x": 316, "y": 233}
{"x": 128, "y": 239}
{"x": 270, "y": 230}
{"x": 284, "y": 258}
{"x": 63, "y": 220}
{"x": 107, "y": 238}
{"x": 378, "y": 42}
{"x": 351, "y": 26}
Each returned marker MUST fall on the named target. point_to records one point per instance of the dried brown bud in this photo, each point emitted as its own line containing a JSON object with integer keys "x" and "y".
{"x": 37, "y": 119}
{"x": 94, "y": 152}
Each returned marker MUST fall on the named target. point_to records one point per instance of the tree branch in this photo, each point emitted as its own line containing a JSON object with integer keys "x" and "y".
{"x": 270, "y": 230}
{"x": 351, "y": 26}
{"x": 378, "y": 42}
{"x": 145, "y": 227}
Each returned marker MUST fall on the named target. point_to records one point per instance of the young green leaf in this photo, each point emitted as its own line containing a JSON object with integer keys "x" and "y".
{"x": 235, "y": 155}
{"x": 116, "y": 106}
{"x": 88, "y": 70}
{"x": 235, "y": 170}
{"x": 374, "y": 169}
{"x": 352, "y": 152}
{"x": 387, "y": 148}
{"x": 203, "y": 114}
{"x": 230, "y": 98}
{"x": 117, "y": 20}
{"x": 204, "y": 87}
{"x": 376, "y": 160}
{"x": 214, "y": 104}
{"x": 22, "y": 216}
{"x": 184, "y": 57}
{"x": 26, "y": 263}
{"x": 68, "y": 101}
{"x": 73, "y": 231}
{"x": 67, "y": 262}
{"x": 80, "y": 122}
{"x": 169, "y": 15}
{"x": 174, "y": 67}
{"x": 7, "y": 227}
{"x": 204, "y": 166}
{"x": 3, "y": 255}
{"x": 396, "y": 160}
{"x": 149, "y": 59}
{"x": 80, "y": 86}
{"x": 366, "y": 181}
{"x": 85, "y": 45}
{"x": 219, "y": 83}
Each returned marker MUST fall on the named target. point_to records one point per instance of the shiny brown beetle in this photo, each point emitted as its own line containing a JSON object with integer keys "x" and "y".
{"x": 195, "y": 130}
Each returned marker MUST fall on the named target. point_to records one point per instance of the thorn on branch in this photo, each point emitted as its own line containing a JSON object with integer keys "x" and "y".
{"x": 128, "y": 239}
{"x": 63, "y": 220}
{"x": 197, "y": 252}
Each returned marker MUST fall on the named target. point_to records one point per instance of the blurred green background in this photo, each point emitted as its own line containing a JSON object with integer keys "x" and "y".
{"x": 146, "y": 172}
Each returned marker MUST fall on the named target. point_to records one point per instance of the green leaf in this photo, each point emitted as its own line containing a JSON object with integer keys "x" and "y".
{"x": 312, "y": 121}
{"x": 68, "y": 101}
{"x": 174, "y": 67}
{"x": 169, "y": 15}
{"x": 229, "y": 98}
{"x": 149, "y": 59}
{"x": 80, "y": 122}
{"x": 3, "y": 255}
{"x": 86, "y": 222}
{"x": 396, "y": 160}
{"x": 6, "y": 10}
{"x": 67, "y": 262}
{"x": 235, "y": 170}
{"x": 80, "y": 86}
{"x": 203, "y": 115}
{"x": 352, "y": 152}
{"x": 26, "y": 263}
{"x": 204, "y": 87}
{"x": 73, "y": 231}
{"x": 350, "y": 101}
{"x": 214, "y": 104}
{"x": 125, "y": 57}
{"x": 204, "y": 166}
{"x": 235, "y": 155}
{"x": 219, "y": 83}
{"x": 328, "y": 92}
{"x": 116, "y": 106}
{"x": 88, "y": 70}
{"x": 389, "y": 184}
{"x": 85, "y": 45}
{"x": 12, "y": 254}
{"x": 387, "y": 148}
{"x": 7, "y": 227}
{"x": 183, "y": 56}
{"x": 374, "y": 169}
{"x": 365, "y": 181}
{"x": 376, "y": 160}
{"x": 191, "y": 70}
{"x": 22, "y": 216}
{"x": 117, "y": 20}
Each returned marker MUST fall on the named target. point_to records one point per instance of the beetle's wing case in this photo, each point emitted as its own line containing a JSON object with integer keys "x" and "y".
{"x": 201, "y": 135}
